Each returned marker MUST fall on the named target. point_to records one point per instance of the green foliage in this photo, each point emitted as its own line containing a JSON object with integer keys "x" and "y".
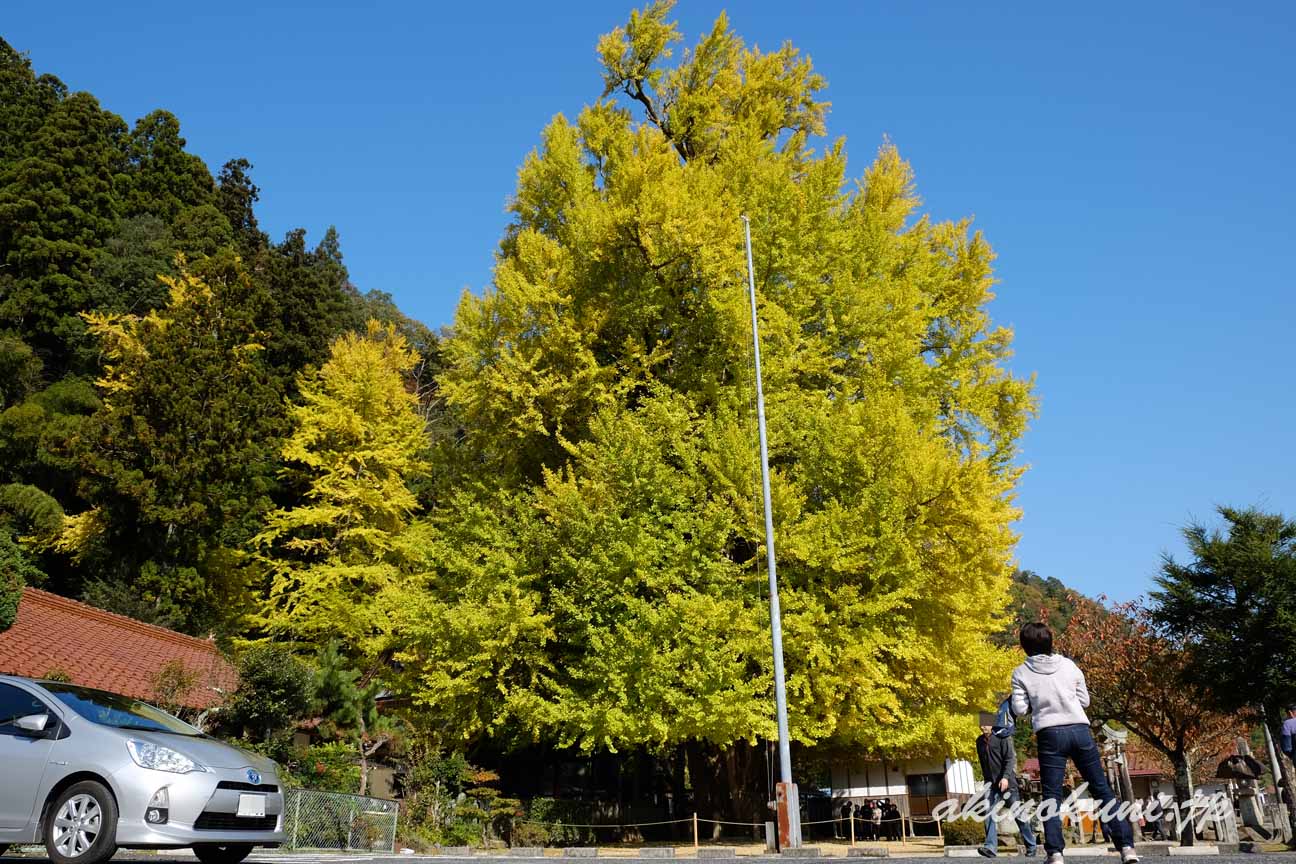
{"x": 178, "y": 468}
{"x": 328, "y": 767}
{"x": 331, "y": 767}
{"x": 274, "y": 692}
{"x": 338, "y": 700}
{"x": 595, "y": 575}
{"x": 963, "y": 832}
{"x": 31, "y": 511}
{"x": 57, "y": 209}
{"x": 20, "y": 370}
{"x": 25, "y": 102}
{"x": 554, "y": 821}
{"x": 163, "y": 179}
{"x": 170, "y": 475}
{"x": 142, "y": 248}
{"x": 1036, "y": 598}
{"x": 21, "y": 508}
{"x": 314, "y": 303}
{"x": 1234, "y": 602}
{"x": 449, "y": 802}
{"x": 347, "y": 707}
{"x": 236, "y": 195}
{"x": 15, "y": 569}
{"x": 37, "y": 435}
{"x": 172, "y": 685}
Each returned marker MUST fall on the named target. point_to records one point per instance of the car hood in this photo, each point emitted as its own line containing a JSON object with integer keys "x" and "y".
{"x": 210, "y": 752}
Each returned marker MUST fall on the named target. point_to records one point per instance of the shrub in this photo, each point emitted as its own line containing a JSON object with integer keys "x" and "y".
{"x": 557, "y": 820}
{"x": 274, "y": 692}
{"x": 330, "y": 767}
{"x": 449, "y": 802}
{"x": 16, "y": 571}
{"x": 963, "y": 832}
{"x": 172, "y": 684}
{"x": 11, "y": 588}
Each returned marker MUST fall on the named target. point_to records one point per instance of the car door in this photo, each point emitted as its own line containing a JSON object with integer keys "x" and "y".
{"x": 22, "y": 755}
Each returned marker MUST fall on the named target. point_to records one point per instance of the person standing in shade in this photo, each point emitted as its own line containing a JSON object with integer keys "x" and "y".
{"x": 877, "y": 819}
{"x": 1289, "y": 732}
{"x": 998, "y": 758}
{"x": 1052, "y": 690}
{"x": 891, "y": 814}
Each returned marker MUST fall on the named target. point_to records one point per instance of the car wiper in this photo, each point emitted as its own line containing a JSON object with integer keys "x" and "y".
{"x": 138, "y": 728}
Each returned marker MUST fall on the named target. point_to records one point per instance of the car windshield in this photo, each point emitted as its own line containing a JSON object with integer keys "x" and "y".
{"x": 120, "y": 712}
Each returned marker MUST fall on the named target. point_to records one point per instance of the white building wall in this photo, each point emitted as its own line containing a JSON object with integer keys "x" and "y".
{"x": 867, "y": 779}
{"x": 959, "y": 779}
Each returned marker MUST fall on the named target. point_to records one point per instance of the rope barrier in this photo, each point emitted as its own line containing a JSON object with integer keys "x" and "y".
{"x": 560, "y": 823}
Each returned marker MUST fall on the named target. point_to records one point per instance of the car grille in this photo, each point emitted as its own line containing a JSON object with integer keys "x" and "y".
{"x": 230, "y": 822}
{"x": 267, "y": 788}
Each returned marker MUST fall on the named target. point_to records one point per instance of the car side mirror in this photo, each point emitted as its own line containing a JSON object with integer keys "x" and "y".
{"x": 36, "y": 724}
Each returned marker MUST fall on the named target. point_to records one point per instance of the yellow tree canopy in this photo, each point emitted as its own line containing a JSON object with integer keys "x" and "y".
{"x": 356, "y": 445}
{"x": 596, "y": 575}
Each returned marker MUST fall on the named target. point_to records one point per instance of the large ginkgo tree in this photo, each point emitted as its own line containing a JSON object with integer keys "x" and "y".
{"x": 596, "y": 578}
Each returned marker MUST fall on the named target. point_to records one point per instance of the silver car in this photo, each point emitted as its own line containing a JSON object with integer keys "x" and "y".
{"x": 87, "y": 772}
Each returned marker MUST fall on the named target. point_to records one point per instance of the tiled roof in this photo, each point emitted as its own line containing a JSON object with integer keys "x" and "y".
{"x": 1142, "y": 760}
{"x": 106, "y": 651}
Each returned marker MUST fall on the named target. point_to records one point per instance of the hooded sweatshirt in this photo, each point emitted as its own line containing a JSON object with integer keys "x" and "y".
{"x": 1051, "y": 689}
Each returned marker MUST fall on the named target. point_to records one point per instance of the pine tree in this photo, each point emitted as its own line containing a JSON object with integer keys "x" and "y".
{"x": 314, "y": 300}
{"x": 162, "y": 179}
{"x": 57, "y": 210}
{"x": 25, "y": 101}
{"x": 177, "y": 463}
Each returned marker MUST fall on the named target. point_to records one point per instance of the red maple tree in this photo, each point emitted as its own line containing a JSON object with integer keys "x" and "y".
{"x": 1135, "y": 672}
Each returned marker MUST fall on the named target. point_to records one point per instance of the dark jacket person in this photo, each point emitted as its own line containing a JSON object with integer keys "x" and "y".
{"x": 998, "y": 758}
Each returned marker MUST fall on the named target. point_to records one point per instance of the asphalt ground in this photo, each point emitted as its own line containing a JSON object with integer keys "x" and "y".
{"x": 166, "y": 857}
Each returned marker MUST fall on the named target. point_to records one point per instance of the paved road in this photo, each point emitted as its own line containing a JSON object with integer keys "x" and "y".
{"x": 182, "y": 858}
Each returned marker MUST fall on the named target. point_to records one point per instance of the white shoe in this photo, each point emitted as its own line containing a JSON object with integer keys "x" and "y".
{"x": 1128, "y": 855}
{"x": 1054, "y": 858}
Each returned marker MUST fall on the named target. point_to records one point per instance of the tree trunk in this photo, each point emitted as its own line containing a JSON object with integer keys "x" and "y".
{"x": 678, "y": 793}
{"x": 1127, "y": 794}
{"x": 364, "y": 758}
{"x": 726, "y": 783}
{"x": 1183, "y": 795}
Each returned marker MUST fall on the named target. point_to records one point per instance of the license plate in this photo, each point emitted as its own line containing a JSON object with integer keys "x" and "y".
{"x": 251, "y": 805}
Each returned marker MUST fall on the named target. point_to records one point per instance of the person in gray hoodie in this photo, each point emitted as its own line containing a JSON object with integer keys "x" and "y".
{"x": 1052, "y": 690}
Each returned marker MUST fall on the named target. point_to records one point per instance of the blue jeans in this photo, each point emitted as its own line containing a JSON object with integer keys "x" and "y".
{"x": 1024, "y": 826}
{"x": 1074, "y": 742}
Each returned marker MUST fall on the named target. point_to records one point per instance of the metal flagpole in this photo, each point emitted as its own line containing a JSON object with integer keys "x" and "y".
{"x": 789, "y": 809}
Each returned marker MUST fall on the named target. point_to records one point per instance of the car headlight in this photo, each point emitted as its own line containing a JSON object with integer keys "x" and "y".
{"x": 149, "y": 755}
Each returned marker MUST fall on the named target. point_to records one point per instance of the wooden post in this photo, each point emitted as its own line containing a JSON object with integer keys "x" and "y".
{"x": 695, "y": 831}
{"x": 852, "y": 823}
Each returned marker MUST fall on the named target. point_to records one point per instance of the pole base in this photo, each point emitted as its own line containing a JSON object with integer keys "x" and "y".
{"x": 788, "y": 803}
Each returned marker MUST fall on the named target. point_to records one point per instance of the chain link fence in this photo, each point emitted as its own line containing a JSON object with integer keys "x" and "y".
{"x": 332, "y": 820}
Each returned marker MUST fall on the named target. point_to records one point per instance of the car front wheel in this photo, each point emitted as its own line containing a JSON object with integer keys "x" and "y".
{"x": 232, "y": 853}
{"x": 81, "y": 827}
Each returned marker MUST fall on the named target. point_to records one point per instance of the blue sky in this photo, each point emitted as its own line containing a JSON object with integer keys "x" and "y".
{"x": 1132, "y": 164}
